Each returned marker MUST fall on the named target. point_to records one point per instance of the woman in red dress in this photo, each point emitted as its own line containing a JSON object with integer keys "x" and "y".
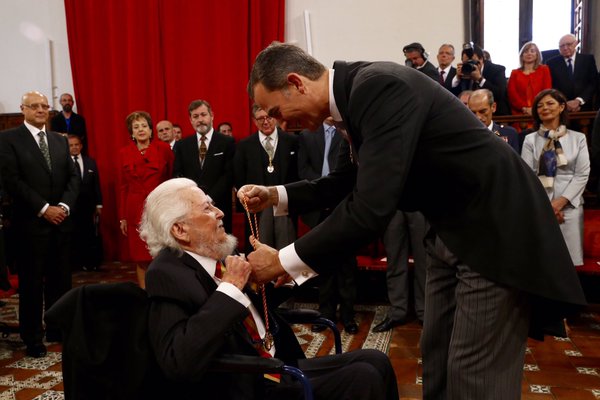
{"x": 526, "y": 82}
{"x": 143, "y": 165}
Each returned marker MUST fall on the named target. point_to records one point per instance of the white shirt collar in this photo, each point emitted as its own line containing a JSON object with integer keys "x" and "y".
{"x": 491, "y": 126}
{"x": 34, "y": 131}
{"x": 209, "y": 264}
{"x": 572, "y": 58}
{"x": 333, "y": 109}
{"x": 208, "y": 136}
{"x": 446, "y": 70}
{"x": 274, "y": 136}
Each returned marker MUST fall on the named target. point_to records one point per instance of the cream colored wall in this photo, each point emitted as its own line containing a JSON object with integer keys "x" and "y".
{"x": 374, "y": 30}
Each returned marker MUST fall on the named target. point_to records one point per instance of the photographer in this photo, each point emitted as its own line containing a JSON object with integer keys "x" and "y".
{"x": 475, "y": 73}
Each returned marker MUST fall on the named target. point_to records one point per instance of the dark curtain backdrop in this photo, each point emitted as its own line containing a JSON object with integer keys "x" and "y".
{"x": 158, "y": 56}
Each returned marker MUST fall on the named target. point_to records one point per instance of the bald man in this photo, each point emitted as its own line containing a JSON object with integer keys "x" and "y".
{"x": 41, "y": 178}
{"x": 166, "y": 132}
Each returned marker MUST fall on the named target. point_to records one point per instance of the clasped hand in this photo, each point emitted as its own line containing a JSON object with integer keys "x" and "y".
{"x": 257, "y": 197}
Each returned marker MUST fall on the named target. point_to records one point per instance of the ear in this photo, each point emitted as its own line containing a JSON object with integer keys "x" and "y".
{"x": 179, "y": 232}
{"x": 296, "y": 80}
{"x": 493, "y": 107}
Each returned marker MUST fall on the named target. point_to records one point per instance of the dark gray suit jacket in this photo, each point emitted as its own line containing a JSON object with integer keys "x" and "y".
{"x": 584, "y": 81}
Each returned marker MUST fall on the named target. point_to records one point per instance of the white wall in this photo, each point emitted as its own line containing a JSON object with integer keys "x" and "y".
{"x": 26, "y": 29}
{"x": 374, "y": 30}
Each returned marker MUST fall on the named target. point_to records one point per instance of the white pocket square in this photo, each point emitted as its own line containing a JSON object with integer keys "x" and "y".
{"x": 292, "y": 153}
{"x": 218, "y": 154}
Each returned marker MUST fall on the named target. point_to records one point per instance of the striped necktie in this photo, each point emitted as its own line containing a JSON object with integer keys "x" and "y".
{"x": 44, "y": 149}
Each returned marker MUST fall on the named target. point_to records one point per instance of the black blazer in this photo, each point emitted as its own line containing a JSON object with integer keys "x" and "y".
{"x": 29, "y": 181}
{"x": 431, "y": 71}
{"x": 420, "y": 149}
{"x": 495, "y": 80}
{"x": 509, "y": 135}
{"x": 89, "y": 194}
{"x": 59, "y": 124}
{"x": 584, "y": 81}
{"x": 449, "y": 78}
{"x": 216, "y": 177}
{"x": 190, "y": 323}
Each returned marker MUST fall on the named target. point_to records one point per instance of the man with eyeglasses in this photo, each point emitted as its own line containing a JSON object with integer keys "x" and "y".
{"x": 268, "y": 157}
{"x": 42, "y": 181}
{"x": 574, "y": 74}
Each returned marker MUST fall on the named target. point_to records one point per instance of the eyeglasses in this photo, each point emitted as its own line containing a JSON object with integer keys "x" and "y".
{"x": 566, "y": 45}
{"x": 37, "y": 106}
{"x": 261, "y": 120}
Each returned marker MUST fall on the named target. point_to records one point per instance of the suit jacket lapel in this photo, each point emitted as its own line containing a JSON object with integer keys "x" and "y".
{"x": 30, "y": 143}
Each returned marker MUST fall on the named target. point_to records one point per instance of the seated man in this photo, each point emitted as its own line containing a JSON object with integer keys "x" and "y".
{"x": 196, "y": 316}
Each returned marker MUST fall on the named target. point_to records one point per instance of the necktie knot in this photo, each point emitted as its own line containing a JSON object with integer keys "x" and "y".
{"x": 219, "y": 270}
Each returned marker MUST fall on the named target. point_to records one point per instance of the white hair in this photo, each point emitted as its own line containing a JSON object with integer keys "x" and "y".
{"x": 166, "y": 205}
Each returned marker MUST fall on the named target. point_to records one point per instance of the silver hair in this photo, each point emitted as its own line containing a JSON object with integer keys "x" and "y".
{"x": 166, "y": 205}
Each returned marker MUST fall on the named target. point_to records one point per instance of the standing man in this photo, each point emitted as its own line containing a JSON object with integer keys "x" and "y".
{"x": 86, "y": 248}
{"x": 417, "y": 58}
{"x": 481, "y": 103}
{"x": 418, "y": 148}
{"x": 446, "y": 71}
{"x": 166, "y": 133}
{"x": 207, "y": 158}
{"x": 575, "y": 75}
{"x": 39, "y": 175}
{"x": 317, "y": 156}
{"x": 177, "y": 132}
{"x": 68, "y": 122}
{"x": 268, "y": 157}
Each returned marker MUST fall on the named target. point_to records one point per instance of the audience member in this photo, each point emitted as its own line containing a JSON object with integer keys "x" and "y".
{"x": 574, "y": 74}
{"x": 225, "y": 128}
{"x": 143, "y": 165}
{"x": 207, "y": 158}
{"x": 68, "y": 122}
{"x": 165, "y": 132}
{"x": 417, "y": 58}
{"x": 528, "y": 80}
{"x": 40, "y": 177}
{"x": 177, "y": 132}
{"x": 482, "y": 103}
{"x": 418, "y": 148}
{"x": 560, "y": 158}
{"x": 201, "y": 309}
{"x": 406, "y": 231}
{"x": 317, "y": 155}
{"x": 86, "y": 248}
{"x": 595, "y": 152}
{"x": 446, "y": 72}
{"x": 475, "y": 73}
{"x": 268, "y": 157}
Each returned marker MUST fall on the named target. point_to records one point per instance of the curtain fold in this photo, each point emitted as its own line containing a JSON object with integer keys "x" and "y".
{"x": 158, "y": 56}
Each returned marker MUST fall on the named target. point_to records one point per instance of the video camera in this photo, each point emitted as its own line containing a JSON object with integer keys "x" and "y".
{"x": 470, "y": 65}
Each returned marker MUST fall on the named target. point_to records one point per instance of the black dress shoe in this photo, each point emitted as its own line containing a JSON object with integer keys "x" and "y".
{"x": 388, "y": 324}
{"x": 36, "y": 350}
{"x": 351, "y": 328}
{"x": 318, "y": 328}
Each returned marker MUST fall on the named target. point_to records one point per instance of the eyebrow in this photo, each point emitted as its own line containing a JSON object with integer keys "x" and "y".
{"x": 273, "y": 111}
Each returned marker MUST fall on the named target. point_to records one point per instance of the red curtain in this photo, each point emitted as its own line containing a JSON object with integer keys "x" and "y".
{"x": 158, "y": 56}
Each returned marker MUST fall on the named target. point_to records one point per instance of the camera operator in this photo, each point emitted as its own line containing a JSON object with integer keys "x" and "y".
{"x": 475, "y": 73}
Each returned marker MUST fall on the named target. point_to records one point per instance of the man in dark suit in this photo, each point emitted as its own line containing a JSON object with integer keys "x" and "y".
{"x": 481, "y": 75}
{"x": 417, "y": 58}
{"x": 317, "y": 155}
{"x": 86, "y": 248}
{"x": 446, "y": 71}
{"x": 40, "y": 177}
{"x": 207, "y": 158}
{"x": 418, "y": 148}
{"x": 68, "y": 122}
{"x": 268, "y": 157}
{"x": 200, "y": 310}
{"x": 481, "y": 103}
{"x": 575, "y": 75}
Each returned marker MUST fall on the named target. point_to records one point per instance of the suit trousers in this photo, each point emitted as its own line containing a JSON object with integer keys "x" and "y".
{"x": 339, "y": 287}
{"x": 474, "y": 332}
{"x": 360, "y": 374}
{"x": 277, "y": 232}
{"x": 44, "y": 272}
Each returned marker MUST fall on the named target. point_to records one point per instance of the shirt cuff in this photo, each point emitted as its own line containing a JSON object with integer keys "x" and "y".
{"x": 232, "y": 291}
{"x": 67, "y": 207}
{"x": 281, "y": 208}
{"x": 580, "y": 100}
{"x": 482, "y": 82}
{"x": 43, "y": 210}
{"x": 98, "y": 205}
{"x": 294, "y": 266}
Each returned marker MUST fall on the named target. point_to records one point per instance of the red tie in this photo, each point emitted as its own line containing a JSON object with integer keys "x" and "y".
{"x": 250, "y": 326}
{"x": 442, "y": 72}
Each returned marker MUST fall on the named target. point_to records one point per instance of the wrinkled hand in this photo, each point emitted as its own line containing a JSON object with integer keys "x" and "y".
{"x": 257, "y": 198}
{"x": 265, "y": 262}
{"x": 237, "y": 271}
{"x": 55, "y": 215}
{"x": 573, "y": 105}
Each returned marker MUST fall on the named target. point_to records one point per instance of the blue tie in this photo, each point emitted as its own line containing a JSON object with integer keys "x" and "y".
{"x": 328, "y": 136}
{"x": 570, "y": 68}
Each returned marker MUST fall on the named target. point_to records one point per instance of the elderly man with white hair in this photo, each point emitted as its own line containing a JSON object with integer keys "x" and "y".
{"x": 197, "y": 314}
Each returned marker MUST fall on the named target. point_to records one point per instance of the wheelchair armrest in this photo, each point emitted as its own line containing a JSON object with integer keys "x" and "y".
{"x": 298, "y": 316}
{"x": 247, "y": 364}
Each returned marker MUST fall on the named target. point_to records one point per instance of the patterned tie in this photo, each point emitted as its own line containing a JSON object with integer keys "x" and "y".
{"x": 250, "y": 326}
{"x": 570, "y": 68}
{"x": 269, "y": 147}
{"x": 75, "y": 158}
{"x": 44, "y": 149}
{"x": 328, "y": 137}
{"x": 202, "y": 149}
{"x": 442, "y": 80}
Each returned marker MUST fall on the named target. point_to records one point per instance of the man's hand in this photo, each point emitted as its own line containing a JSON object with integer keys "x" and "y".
{"x": 265, "y": 262}
{"x": 237, "y": 271}
{"x": 55, "y": 215}
{"x": 257, "y": 198}
{"x": 573, "y": 105}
